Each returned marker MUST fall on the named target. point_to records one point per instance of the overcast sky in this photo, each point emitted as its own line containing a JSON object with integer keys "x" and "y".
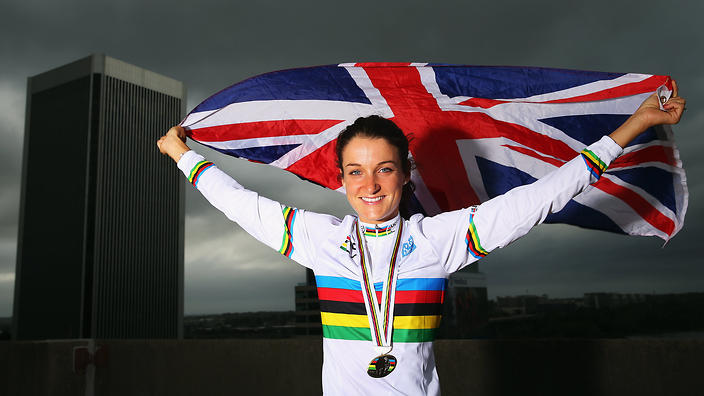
{"x": 211, "y": 44}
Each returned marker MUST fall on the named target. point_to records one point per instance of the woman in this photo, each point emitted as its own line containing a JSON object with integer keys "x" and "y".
{"x": 380, "y": 278}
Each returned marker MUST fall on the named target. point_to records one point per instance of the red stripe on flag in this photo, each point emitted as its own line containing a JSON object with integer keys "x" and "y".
{"x": 657, "y": 153}
{"x": 482, "y": 102}
{"x": 320, "y": 167}
{"x": 648, "y": 85}
{"x": 647, "y": 211}
{"x": 260, "y": 129}
{"x": 382, "y": 64}
{"x": 533, "y": 154}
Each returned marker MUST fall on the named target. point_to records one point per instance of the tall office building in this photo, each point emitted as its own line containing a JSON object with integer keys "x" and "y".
{"x": 100, "y": 244}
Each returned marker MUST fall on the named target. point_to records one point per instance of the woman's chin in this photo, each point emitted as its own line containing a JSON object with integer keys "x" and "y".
{"x": 376, "y": 218}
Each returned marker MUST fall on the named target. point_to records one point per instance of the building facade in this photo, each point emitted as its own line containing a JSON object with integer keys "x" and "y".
{"x": 465, "y": 306}
{"x": 308, "y": 307}
{"x": 101, "y": 230}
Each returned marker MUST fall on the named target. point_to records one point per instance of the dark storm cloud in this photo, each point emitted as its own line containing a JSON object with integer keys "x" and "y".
{"x": 228, "y": 270}
{"x": 592, "y": 261}
{"x": 211, "y": 44}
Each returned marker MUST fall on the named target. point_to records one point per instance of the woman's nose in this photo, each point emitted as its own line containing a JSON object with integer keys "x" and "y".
{"x": 371, "y": 185}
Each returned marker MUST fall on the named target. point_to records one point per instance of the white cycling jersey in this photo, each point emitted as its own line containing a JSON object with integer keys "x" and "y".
{"x": 431, "y": 248}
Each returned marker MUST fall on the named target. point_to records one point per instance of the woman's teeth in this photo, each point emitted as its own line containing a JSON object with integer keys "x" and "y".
{"x": 375, "y": 199}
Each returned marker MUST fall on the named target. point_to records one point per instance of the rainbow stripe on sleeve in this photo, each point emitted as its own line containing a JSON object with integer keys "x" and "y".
{"x": 417, "y": 309}
{"x": 287, "y": 242}
{"x": 595, "y": 165}
{"x": 197, "y": 171}
{"x": 472, "y": 240}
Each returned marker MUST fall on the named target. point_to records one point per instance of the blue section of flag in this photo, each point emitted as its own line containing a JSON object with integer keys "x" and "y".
{"x": 583, "y": 216}
{"x": 588, "y": 128}
{"x": 414, "y": 206}
{"x": 314, "y": 83}
{"x": 573, "y": 213}
{"x": 263, "y": 154}
{"x": 511, "y": 82}
{"x": 657, "y": 182}
{"x": 498, "y": 179}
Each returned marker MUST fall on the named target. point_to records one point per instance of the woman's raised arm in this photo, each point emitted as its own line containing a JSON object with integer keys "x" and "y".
{"x": 277, "y": 226}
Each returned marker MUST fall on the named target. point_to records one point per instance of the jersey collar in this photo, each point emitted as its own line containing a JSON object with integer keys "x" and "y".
{"x": 378, "y": 230}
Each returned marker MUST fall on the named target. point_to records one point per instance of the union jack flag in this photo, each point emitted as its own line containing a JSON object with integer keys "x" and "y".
{"x": 475, "y": 132}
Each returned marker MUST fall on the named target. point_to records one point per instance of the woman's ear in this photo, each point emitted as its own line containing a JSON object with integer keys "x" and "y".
{"x": 339, "y": 177}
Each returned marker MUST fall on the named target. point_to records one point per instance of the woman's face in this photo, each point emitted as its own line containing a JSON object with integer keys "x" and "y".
{"x": 373, "y": 178}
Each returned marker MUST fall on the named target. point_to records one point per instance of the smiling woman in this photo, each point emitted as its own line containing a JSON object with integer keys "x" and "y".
{"x": 375, "y": 171}
{"x": 380, "y": 275}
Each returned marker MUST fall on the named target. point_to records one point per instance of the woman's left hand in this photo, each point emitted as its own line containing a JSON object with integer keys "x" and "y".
{"x": 650, "y": 113}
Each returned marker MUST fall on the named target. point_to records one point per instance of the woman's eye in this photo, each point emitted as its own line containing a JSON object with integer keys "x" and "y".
{"x": 355, "y": 172}
{"x": 384, "y": 170}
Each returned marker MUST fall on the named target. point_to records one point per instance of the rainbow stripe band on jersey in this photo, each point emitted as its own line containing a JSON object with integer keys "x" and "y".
{"x": 377, "y": 232}
{"x": 418, "y": 306}
{"x": 595, "y": 165}
{"x": 287, "y": 241}
{"x": 198, "y": 170}
{"x": 472, "y": 240}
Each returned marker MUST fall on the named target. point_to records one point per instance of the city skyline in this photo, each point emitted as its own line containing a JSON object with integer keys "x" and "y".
{"x": 226, "y": 270}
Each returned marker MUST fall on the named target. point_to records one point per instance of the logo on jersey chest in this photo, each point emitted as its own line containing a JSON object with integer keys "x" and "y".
{"x": 408, "y": 247}
{"x": 349, "y": 247}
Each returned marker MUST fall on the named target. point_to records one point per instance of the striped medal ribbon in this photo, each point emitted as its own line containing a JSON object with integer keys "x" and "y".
{"x": 381, "y": 316}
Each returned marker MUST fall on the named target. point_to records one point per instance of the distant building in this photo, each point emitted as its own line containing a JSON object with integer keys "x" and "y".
{"x": 273, "y": 324}
{"x": 308, "y": 307}
{"x": 611, "y": 300}
{"x": 520, "y": 305}
{"x": 466, "y": 307}
{"x": 100, "y": 244}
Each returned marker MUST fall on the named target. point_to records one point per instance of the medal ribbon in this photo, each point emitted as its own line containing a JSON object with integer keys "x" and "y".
{"x": 380, "y": 320}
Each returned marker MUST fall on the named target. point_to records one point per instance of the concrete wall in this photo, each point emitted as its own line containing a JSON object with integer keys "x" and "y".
{"x": 292, "y": 367}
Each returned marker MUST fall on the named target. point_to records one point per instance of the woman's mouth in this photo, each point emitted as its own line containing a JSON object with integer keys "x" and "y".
{"x": 372, "y": 199}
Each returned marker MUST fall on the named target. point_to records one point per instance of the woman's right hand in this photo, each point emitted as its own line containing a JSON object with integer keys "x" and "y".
{"x": 173, "y": 143}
